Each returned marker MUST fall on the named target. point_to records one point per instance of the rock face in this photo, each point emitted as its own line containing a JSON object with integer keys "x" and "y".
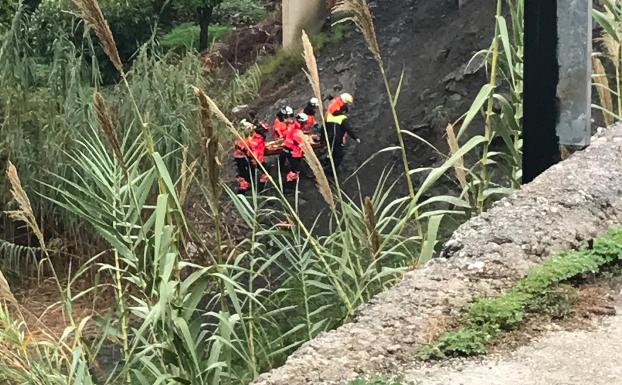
{"x": 430, "y": 42}
{"x": 570, "y": 203}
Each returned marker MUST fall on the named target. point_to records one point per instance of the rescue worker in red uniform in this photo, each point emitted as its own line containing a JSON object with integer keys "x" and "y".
{"x": 280, "y": 125}
{"x": 311, "y": 110}
{"x": 242, "y": 161}
{"x": 280, "y": 129}
{"x": 257, "y": 148}
{"x": 294, "y": 150}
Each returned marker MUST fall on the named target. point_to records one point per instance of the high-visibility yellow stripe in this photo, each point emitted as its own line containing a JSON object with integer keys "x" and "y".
{"x": 336, "y": 118}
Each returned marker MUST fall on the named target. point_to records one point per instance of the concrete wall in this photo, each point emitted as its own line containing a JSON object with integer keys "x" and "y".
{"x": 299, "y": 15}
{"x": 485, "y": 256}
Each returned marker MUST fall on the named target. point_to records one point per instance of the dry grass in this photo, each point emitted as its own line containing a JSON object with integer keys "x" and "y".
{"x": 5, "y": 291}
{"x": 107, "y": 127}
{"x": 361, "y": 16}
{"x": 211, "y": 142}
{"x": 604, "y": 93}
{"x": 188, "y": 173}
{"x": 318, "y": 172}
{"x": 24, "y": 212}
{"x": 312, "y": 72}
{"x": 93, "y": 16}
{"x": 314, "y": 79}
{"x": 437, "y": 327}
{"x": 612, "y": 47}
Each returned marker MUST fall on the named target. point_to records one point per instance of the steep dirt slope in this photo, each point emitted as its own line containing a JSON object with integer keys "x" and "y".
{"x": 431, "y": 41}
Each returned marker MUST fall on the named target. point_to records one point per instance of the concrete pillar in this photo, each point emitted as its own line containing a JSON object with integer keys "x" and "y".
{"x": 574, "y": 90}
{"x": 298, "y": 15}
{"x": 557, "y": 88}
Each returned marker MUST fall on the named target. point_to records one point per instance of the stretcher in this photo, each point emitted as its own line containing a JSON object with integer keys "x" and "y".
{"x": 275, "y": 147}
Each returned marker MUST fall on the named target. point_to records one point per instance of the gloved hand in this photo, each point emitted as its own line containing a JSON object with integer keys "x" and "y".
{"x": 358, "y": 141}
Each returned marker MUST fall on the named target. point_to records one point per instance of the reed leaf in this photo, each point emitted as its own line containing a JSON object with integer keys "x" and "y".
{"x": 371, "y": 224}
{"x": 459, "y": 169}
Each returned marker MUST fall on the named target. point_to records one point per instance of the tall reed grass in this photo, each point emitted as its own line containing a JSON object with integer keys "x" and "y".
{"x": 131, "y": 155}
{"x": 609, "y": 88}
{"x": 499, "y": 103}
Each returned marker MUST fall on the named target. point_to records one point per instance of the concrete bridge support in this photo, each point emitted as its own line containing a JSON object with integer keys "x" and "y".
{"x": 557, "y": 94}
{"x": 299, "y": 15}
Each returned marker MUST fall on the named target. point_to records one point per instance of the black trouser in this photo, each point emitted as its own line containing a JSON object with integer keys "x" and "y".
{"x": 259, "y": 177}
{"x": 293, "y": 170}
{"x": 294, "y": 164}
{"x": 283, "y": 160}
{"x": 337, "y": 154}
{"x": 244, "y": 174}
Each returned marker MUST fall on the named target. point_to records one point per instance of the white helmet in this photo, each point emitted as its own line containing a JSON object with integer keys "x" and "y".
{"x": 347, "y": 98}
{"x": 314, "y": 102}
{"x": 302, "y": 117}
{"x": 286, "y": 111}
{"x": 247, "y": 125}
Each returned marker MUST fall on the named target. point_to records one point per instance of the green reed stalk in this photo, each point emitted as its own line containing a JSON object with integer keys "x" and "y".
{"x": 488, "y": 131}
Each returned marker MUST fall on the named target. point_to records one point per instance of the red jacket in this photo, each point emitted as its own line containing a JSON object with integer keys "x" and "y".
{"x": 257, "y": 145}
{"x": 239, "y": 149}
{"x": 294, "y": 138}
{"x": 279, "y": 128}
{"x": 335, "y": 105}
{"x": 309, "y": 124}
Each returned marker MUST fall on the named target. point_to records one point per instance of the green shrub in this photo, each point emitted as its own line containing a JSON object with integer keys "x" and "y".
{"x": 285, "y": 64}
{"x": 186, "y": 35}
{"x": 539, "y": 291}
{"x": 464, "y": 341}
{"x": 499, "y": 313}
{"x": 240, "y": 12}
{"x": 557, "y": 302}
{"x": 6, "y": 14}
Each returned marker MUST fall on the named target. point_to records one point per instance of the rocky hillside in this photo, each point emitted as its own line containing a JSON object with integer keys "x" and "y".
{"x": 431, "y": 41}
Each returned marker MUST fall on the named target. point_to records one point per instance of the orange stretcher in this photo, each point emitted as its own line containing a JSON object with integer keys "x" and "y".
{"x": 275, "y": 147}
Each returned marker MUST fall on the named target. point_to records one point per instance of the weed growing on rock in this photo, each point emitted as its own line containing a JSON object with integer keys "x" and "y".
{"x": 374, "y": 381}
{"x": 488, "y": 318}
{"x": 557, "y": 302}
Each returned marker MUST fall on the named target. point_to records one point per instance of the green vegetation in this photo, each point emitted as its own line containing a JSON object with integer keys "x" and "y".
{"x": 101, "y": 178}
{"x": 374, "y": 381}
{"x": 499, "y": 104}
{"x": 110, "y": 144}
{"x": 240, "y": 12}
{"x": 284, "y": 64}
{"x": 186, "y": 35}
{"x": 487, "y": 318}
